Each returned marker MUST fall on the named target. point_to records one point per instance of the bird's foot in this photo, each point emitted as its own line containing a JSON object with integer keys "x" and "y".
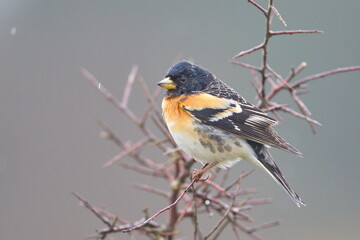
{"x": 197, "y": 174}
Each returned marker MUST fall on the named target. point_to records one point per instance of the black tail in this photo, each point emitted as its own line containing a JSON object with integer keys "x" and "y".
{"x": 270, "y": 167}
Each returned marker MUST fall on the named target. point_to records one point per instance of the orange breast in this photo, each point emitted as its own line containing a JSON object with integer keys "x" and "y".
{"x": 176, "y": 118}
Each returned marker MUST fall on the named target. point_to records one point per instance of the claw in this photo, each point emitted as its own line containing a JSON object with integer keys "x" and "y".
{"x": 203, "y": 179}
{"x": 197, "y": 174}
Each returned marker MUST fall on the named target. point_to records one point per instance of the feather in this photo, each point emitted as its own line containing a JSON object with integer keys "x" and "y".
{"x": 241, "y": 119}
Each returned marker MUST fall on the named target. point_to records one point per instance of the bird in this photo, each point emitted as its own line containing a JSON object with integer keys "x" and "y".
{"x": 216, "y": 126}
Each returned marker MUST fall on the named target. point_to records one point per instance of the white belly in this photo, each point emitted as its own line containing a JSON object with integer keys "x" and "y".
{"x": 213, "y": 145}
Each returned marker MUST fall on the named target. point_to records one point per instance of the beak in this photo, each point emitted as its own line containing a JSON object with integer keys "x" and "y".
{"x": 167, "y": 83}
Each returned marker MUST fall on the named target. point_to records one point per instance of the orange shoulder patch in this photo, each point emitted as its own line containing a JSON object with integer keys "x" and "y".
{"x": 204, "y": 100}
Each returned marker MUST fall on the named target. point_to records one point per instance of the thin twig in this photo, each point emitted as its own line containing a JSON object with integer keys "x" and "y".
{"x": 265, "y": 50}
{"x": 162, "y": 210}
{"x": 290, "y": 32}
{"x": 212, "y": 197}
{"x": 243, "y": 53}
{"x": 152, "y": 190}
{"x": 225, "y": 214}
{"x": 151, "y": 99}
{"x": 259, "y": 7}
{"x": 195, "y": 215}
{"x": 245, "y": 65}
{"x": 325, "y": 74}
{"x": 263, "y": 226}
{"x": 221, "y": 229}
{"x": 126, "y": 152}
{"x": 242, "y": 176}
{"x": 277, "y": 13}
{"x": 295, "y": 71}
{"x": 143, "y": 170}
{"x": 93, "y": 209}
{"x": 110, "y": 97}
{"x": 299, "y": 115}
{"x": 130, "y": 82}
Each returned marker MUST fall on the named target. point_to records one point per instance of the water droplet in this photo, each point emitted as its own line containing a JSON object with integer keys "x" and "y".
{"x": 13, "y": 31}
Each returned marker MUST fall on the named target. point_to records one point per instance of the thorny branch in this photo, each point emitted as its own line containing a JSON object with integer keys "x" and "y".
{"x": 176, "y": 174}
{"x": 214, "y": 195}
{"x": 277, "y": 83}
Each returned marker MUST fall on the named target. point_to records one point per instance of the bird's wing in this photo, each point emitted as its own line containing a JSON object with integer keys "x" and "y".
{"x": 239, "y": 118}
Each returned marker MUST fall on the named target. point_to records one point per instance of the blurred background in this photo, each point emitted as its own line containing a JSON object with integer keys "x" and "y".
{"x": 49, "y": 137}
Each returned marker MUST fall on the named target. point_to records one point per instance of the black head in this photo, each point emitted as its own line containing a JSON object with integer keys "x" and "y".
{"x": 185, "y": 78}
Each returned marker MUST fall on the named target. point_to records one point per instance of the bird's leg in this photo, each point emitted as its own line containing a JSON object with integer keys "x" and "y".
{"x": 197, "y": 174}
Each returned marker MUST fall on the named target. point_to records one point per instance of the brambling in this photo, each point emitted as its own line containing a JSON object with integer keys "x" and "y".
{"x": 212, "y": 123}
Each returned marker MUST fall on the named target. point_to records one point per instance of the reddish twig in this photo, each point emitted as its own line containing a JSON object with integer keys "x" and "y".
{"x": 127, "y": 151}
{"x": 93, "y": 209}
{"x": 245, "y": 65}
{"x": 208, "y": 197}
{"x": 265, "y": 71}
{"x": 263, "y": 226}
{"x": 325, "y": 74}
{"x": 243, "y": 53}
{"x": 290, "y": 32}
{"x": 277, "y": 13}
{"x": 259, "y": 7}
{"x": 130, "y": 82}
{"x": 162, "y": 210}
{"x": 151, "y": 99}
{"x": 120, "y": 105}
{"x": 225, "y": 214}
{"x": 152, "y": 190}
{"x": 143, "y": 170}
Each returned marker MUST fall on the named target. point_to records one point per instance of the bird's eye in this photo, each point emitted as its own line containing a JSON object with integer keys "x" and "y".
{"x": 182, "y": 80}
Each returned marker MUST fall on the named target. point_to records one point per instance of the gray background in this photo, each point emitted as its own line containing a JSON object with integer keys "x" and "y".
{"x": 49, "y": 143}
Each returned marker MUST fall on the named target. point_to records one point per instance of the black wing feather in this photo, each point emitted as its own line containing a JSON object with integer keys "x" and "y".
{"x": 250, "y": 123}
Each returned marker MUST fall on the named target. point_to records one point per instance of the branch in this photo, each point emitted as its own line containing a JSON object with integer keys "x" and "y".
{"x": 225, "y": 214}
{"x": 265, "y": 52}
{"x": 290, "y": 32}
{"x": 93, "y": 209}
{"x": 325, "y": 74}
{"x": 263, "y": 226}
{"x": 122, "y": 106}
{"x": 284, "y": 83}
{"x": 162, "y": 210}
{"x": 127, "y": 151}
{"x": 243, "y": 53}
{"x": 209, "y": 196}
{"x": 152, "y": 190}
{"x": 279, "y": 16}
{"x": 245, "y": 65}
{"x": 130, "y": 82}
{"x": 259, "y": 7}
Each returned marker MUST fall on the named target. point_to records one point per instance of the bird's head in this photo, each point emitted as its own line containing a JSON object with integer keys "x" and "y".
{"x": 185, "y": 78}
